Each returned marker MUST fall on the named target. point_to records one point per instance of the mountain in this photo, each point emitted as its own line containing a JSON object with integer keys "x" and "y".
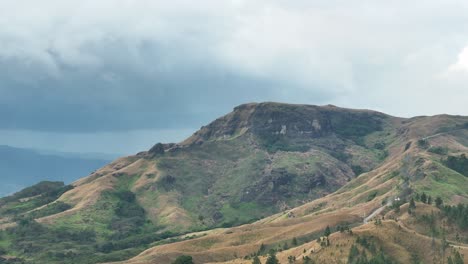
{"x": 265, "y": 176}
{"x": 23, "y": 167}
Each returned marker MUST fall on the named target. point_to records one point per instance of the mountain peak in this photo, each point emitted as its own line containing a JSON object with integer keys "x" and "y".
{"x": 268, "y": 119}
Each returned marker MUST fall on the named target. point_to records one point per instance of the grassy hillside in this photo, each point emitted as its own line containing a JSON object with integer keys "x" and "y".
{"x": 285, "y": 171}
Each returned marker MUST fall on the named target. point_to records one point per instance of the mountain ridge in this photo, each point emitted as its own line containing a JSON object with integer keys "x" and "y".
{"x": 282, "y": 170}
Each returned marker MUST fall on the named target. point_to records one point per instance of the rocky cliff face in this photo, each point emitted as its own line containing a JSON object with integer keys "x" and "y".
{"x": 271, "y": 122}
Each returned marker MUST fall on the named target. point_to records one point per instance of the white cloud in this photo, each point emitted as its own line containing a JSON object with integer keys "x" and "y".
{"x": 462, "y": 63}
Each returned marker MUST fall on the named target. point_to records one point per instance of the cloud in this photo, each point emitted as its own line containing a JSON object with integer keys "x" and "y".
{"x": 462, "y": 63}
{"x": 99, "y": 66}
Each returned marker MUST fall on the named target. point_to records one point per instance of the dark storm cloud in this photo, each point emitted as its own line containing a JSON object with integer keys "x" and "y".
{"x": 120, "y": 96}
{"x": 84, "y": 66}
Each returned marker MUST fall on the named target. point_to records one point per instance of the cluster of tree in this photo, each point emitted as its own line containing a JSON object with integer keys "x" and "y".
{"x": 357, "y": 256}
{"x": 456, "y": 259}
{"x": 431, "y": 221}
{"x": 427, "y": 199}
{"x": 358, "y": 170}
{"x": 344, "y": 228}
{"x": 184, "y": 259}
{"x": 45, "y": 188}
{"x": 458, "y": 164}
{"x": 11, "y": 261}
{"x": 272, "y": 259}
{"x": 457, "y": 215}
{"x": 56, "y": 244}
{"x": 423, "y": 143}
{"x": 324, "y": 240}
{"x": 438, "y": 150}
{"x": 39, "y": 194}
{"x": 129, "y": 215}
{"x": 134, "y": 241}
{"x": 32, "y": 239}
{"x": 50, "y": 209}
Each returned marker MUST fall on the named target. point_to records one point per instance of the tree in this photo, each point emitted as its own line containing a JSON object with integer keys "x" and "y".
{"x": 294, "y": 242}
{"x": 291, "y": 259}
{"x": 327, "y": 231}
{"x": 353, "y": 253}
{"x": 418, "y": 197}
{"x": 429, "y": 200}
{"x": 412, "y": 204}
{"x": 449, "y": 260}
{"x": 307, "y": 260}
{"x": 157, "y": 149}
{"x": 438, "y": 202}
{"x": 272, "y": 258}
{"x": 457, "y": 258}
{"x": 256, "y": 260}
{"x": 184, "y": 259}
{"x": 262, "y": 248}
{"x": 424, "y": 198}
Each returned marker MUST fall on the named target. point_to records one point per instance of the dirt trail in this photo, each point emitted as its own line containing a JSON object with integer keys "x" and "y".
{"x": 373, "y": 214}
{"x": 442, "y": 133}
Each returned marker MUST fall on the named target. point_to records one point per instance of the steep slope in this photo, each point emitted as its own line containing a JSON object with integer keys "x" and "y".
{"x": 417, "y": 164}
{"x": 255, "y": 161}
{"x": 297, "y": 168}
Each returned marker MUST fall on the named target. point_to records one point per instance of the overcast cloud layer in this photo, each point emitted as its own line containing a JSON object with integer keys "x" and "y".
{"x": 153, "y": 70}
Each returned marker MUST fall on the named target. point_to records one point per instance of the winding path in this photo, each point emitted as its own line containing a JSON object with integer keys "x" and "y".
{"x": 376, "y": 212}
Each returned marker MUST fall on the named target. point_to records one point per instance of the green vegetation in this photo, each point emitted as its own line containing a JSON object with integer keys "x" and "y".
{"x": 438, "y": 150}
{"x": 458, "y": 164}
{"x": 423, "y": 143}
{"x": 457, "y": 258}
{"x": 442, "y": 182}
{"x": 184, "y": 259}
{"x": 277, "y": 142}
{"x": 224, "y": 178}
{"x": 119, "y": 228}
{"x": 357, "y": 256}
{"x": 256, "y": 260}
{"x": 50, "y": 209}
{"x": 457, "y": 215}
{"x": 272, "y": 258}
{"x": 355, "y": 126}
{"x": 32, "y": 197}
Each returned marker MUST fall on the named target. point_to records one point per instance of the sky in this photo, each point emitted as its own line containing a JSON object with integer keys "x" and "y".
{"x": 117, "y": 76}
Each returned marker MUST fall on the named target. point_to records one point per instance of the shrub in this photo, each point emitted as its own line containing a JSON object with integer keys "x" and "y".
{"x": 438, "y": 150}
{"x": 184, "y": 259}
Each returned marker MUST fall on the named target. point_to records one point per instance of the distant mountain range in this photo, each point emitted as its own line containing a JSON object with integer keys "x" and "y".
{"x": 21, "y": 167}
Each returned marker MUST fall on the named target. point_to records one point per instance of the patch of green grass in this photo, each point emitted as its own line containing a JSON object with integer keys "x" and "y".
{"x": 241, "y": 213}
{"x": 50, "y": 209}
{"x": 443, "y": 182}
